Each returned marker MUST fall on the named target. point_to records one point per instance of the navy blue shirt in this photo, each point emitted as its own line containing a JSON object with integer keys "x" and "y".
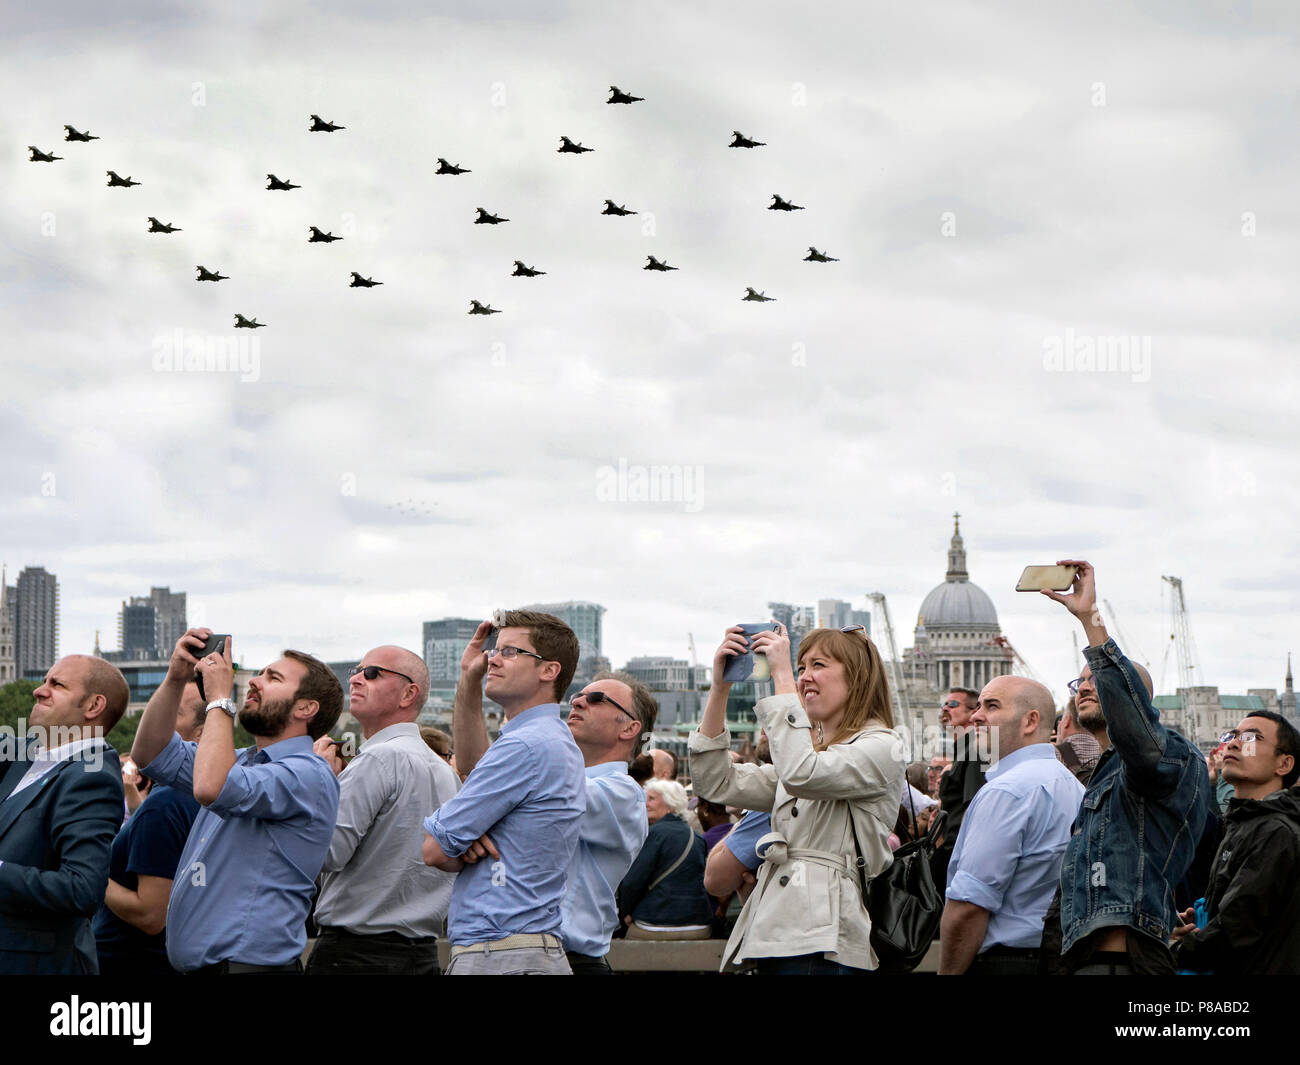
{"x": 149, "y": 844}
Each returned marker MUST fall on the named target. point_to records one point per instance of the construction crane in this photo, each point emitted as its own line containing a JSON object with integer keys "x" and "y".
{"x": 1186, "y": 648}
{"x": 1018, "y": 665}
{"x": 1125, "y": 644}
{"x": 901, "y": 700}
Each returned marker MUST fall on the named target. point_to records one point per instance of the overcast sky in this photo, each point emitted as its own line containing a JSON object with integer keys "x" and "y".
{"x": 1005, "y": 187}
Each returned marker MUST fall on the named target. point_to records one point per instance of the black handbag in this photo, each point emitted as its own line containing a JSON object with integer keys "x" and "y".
{"x": 904, "y": 904}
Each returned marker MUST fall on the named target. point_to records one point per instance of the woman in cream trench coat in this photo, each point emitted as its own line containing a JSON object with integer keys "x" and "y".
{"x": 835, "y": 757}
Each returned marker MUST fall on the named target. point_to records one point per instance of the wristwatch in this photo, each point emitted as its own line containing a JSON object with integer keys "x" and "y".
{"x": 228, "y": 705}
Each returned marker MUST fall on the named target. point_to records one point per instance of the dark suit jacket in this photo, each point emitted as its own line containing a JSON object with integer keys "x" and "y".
{"x": 55, "y": 840}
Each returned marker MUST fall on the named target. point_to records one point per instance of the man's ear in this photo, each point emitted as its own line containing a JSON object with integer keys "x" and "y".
{"x": 1286, "y": 762}
{"x": 98, "y": 704}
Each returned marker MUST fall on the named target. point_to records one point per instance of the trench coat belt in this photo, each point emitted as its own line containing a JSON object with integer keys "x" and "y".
{"x": 779, "y": 852}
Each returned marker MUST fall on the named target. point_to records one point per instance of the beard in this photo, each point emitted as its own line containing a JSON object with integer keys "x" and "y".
{"x": 1092, "y": 718}
{"x": 266, "y": 719}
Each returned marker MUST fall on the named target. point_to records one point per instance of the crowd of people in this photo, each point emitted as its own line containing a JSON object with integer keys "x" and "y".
{"x": 1096, "y": 841}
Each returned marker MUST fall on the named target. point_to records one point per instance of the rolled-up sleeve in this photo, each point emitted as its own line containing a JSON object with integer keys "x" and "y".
{"x": 500, "y": 782}
{"x": 988, "y": 848}
{"x": 717, "y": 778}
{"x": 173, "y": 765}
{"x": 273, "y": 791}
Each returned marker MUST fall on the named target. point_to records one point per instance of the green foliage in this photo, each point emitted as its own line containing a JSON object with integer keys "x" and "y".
{"x": 16, "y": 702}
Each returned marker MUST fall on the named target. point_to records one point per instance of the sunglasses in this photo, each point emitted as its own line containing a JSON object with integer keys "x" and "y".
{"x": 372, "y": 673}
{"x": 597, "y": 697}
{"x": 951, "y": 703}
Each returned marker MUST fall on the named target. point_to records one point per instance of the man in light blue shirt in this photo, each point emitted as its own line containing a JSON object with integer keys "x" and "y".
{"x": 521, "y": 806}
{"x": 244, "y": 884}
{"x": 1007, "y": 861}
{"x": 610, "y": 720}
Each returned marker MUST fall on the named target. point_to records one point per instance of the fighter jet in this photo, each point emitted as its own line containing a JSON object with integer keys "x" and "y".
{"x": 779, "y": 204}
{"x": 479, "y": 308}
{"x": 611, "y": 208}
{"x": 207, "y": 275}
{"x": 526, "y": 271}
{"x": 119, "y": 182}
{"x": 362, "y": 282}
{"x": 741, "y": 141}
{"x": 157, "y": 227}
{"x": 655, "y": 264}
{"x": 567, "y": 145}
{"x": 274, "y": 184}
{"x": 39, "y": 156}
{"x": 617, "y": 96}
{"x": 319, "y": 125}
{"x": 757, "y": 297}
{"x": 246, "y": 323}
{"x": 445, "y": 167}
{"x": 488, "y": 219}
{"x": 317, "y": 237}
{"x": 814, "y": 256}
{"x": 73, "y": 135}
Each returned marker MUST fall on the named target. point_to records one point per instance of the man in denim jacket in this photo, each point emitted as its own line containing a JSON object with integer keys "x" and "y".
{"x": 1141, "y": 817}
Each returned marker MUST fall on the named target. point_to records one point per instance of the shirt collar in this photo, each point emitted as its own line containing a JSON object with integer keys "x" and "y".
{"x": 283, "y": 748}
{"x": 608, "y": 769}
{"x": 392, "y": 732}
{"x": 533, "y": 713}
{"x": 1024, "y": 754}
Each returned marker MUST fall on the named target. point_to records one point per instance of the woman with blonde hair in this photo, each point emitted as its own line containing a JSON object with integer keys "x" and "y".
{"x": 833, "y": 790}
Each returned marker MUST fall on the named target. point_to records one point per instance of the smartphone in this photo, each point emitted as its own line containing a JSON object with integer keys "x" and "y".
{"x": 749, "y": 666}
{"x": 216, "y": 645}
{"x": 1054, "y": 578}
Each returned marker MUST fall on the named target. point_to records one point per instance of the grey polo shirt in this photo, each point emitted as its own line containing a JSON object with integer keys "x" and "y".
{"x": 374, "y": 879}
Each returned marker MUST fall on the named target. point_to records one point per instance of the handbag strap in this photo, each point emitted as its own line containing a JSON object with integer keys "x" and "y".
{"x": 690, "y": 842}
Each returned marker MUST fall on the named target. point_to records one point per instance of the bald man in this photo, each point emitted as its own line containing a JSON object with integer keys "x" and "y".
{"x": 665, "y": 765}
{"x": 380, "y": 907}
{"x": 58, "y": 820}
{"x": 1007, "y": 861}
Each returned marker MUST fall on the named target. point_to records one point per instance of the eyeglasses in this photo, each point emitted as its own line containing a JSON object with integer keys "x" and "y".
{"x": 597, "y": 697}
{"x": 511, "y": 652}
{"x": 855, "y": 628}
{"x": 952, "y": 704}
{"x": 1075, "y": 684}
{"x": 372, "y": 673}
{"x": 1250, "y": 735}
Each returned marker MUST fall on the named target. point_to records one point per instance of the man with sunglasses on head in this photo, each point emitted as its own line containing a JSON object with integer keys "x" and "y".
{"x": 379, "y": 910}
{"x": 1252, "y": 925}
{"x": 1142, "y": 814}
{"x": 512, "y": 831}
{"x": 610, "y": 720}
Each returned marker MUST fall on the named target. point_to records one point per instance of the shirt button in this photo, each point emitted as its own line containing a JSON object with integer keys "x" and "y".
{"x": 794, "y": 811}
{"x": 784, "y": 880}
{"x": 790, "y": 718}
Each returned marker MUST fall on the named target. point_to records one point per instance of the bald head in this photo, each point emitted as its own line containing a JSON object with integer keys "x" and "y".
{"x": 1020, "y": 710}
{"x": 390, "y": 697}
{"x": 665, "y": 765}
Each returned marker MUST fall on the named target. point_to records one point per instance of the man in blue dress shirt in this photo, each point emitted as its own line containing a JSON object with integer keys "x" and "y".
{"x": 513, "y": 829}
{"x": 1007, "y": 861}
{"x": 244, "y": 884}
{"x": 610, "y": 720}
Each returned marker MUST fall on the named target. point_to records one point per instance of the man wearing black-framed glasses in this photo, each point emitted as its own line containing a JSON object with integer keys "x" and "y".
{"x": 379, "y": 912}
{"x": 512, "y": 831}
{"x": 1251, "y": 923}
